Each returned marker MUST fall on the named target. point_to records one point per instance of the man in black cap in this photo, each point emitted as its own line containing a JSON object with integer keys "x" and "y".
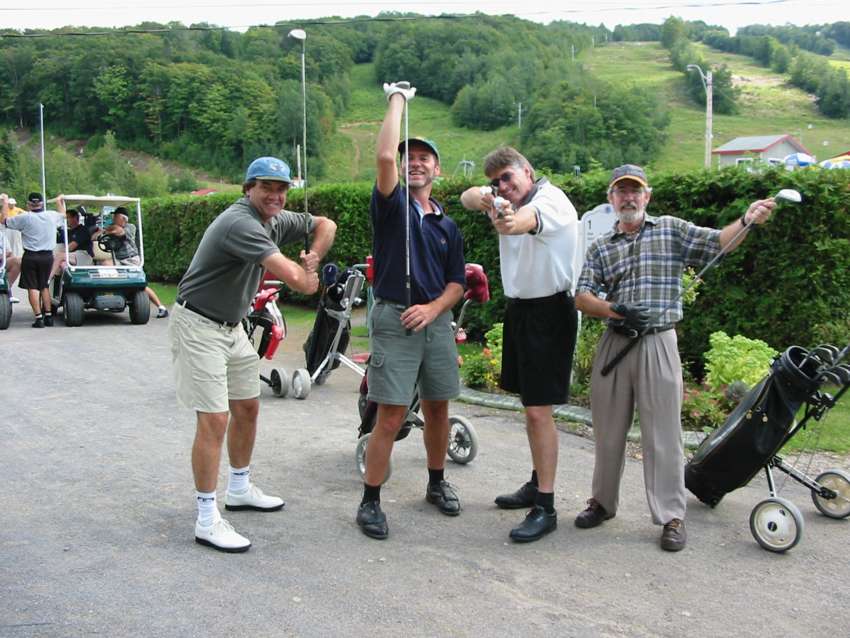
{"x": 640, "y": 263}
{"x": 38, "y": 235}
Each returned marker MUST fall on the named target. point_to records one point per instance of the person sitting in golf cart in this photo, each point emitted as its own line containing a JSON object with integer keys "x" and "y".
{"x": 126, "y": 253}
{"x": 79, "y": 248}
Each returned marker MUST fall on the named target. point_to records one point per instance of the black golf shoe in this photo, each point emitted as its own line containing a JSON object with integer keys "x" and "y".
{"x": 372, "y": 520}
{"x": 525, "y": 496}
{"x": 536, "y": 525}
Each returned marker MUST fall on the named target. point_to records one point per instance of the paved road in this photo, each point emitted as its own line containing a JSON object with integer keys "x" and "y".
{"x": 98, "y": 510}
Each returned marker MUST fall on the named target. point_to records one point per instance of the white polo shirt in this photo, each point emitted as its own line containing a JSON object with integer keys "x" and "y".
{"x": 38, "y": 230}
{"x": 542, "y": 264}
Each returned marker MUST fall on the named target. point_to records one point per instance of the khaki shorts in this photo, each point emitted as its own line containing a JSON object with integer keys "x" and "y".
{"x": 213, "y": 364}
{"x": 399, "y": 360}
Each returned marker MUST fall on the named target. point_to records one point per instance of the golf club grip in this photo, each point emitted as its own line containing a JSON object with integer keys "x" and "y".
{"x": 619, "y": 356}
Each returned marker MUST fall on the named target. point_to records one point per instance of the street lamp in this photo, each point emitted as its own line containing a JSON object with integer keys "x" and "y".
{"x": 300, "y": 34}
{"x": 709, "y": 101}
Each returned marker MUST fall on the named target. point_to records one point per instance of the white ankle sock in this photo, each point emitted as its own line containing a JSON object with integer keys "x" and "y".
{"x": 207, "y": 508}
{"x": 240, "y": 479}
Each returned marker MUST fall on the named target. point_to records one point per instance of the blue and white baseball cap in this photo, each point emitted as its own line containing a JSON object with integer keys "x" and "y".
{"x": 269, "y": 168}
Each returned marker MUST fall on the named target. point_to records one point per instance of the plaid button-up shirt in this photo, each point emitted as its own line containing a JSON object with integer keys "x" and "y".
{"x": 647, "y": 267}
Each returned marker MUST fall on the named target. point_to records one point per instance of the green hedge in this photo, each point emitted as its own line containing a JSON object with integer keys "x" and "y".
{"x": 788, "y": 278}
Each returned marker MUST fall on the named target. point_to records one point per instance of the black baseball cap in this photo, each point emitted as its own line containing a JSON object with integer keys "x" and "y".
{"x": 35, "y": 198}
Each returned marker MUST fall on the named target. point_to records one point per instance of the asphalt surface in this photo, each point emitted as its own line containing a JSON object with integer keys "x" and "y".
{"x": 98, "y": 511}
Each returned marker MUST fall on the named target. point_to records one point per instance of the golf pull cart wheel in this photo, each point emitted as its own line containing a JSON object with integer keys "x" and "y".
{"x": 360, "y": 457}
{"x": 463, "y": 441}
{"x": 280, "y": 382}
{"x": 839, "y": 482}
{"x": 301, "y": 383}
{"x": 776, "y": 524}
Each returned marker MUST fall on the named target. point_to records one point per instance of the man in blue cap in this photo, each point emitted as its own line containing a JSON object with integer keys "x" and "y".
{"x": 412, "y": 341}
{"x": 216, "y": 367}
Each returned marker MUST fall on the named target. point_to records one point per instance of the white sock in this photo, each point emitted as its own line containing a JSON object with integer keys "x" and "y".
{"x": 207, "y": 508}
{"x": 161, "y": 308}
{"x": 240, "y": 479}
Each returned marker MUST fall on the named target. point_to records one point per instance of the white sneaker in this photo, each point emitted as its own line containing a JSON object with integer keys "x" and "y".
{"x": 13, "y": 299}
{"x": 252, "y": 499}
{"x": 221, "y": 536}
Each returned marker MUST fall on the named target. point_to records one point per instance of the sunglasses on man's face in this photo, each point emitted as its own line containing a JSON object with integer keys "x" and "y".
{"x": 504, "y": 178}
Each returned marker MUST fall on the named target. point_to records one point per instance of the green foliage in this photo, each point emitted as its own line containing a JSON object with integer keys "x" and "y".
{"x": 736, "y": 359}
{"x": 588, "y": 339}
{"x": 703, "y": 409}
{"x": 484, "y": 369}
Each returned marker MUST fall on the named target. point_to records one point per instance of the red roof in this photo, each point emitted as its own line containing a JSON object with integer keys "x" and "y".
{"x": 204, "y": 191}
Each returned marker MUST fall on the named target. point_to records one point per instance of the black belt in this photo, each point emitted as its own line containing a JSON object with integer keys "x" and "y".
{"x": 182, "y": 302}
{"x": 558, "y": 296}
{"x": 38, "y": 252}
{"x": 630, "y": 332}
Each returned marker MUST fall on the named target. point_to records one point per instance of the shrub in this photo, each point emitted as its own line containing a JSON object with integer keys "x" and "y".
{"x": 484, "y": 370}
{"x": 736, "y": 358}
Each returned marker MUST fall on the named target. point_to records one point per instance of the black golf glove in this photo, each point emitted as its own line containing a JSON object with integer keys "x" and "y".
{"x": 636, "y": 316}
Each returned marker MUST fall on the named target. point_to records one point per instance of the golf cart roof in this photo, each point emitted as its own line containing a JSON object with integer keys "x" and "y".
{"x": 97, "y": 200}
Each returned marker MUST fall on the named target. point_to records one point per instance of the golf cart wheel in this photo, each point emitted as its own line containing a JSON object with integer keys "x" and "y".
{"x": 776, "y": 524}
{"x": 280, "y": 382}
{"x": 72, "y": 310}
{"x": 140, "y": 308}
{"x": 301, "y": 383}
{"x": 463, "y": 441}
{"x": 5, "y": 311}
{"x": 839, "y": 482}
{"x": 360, "y": 456}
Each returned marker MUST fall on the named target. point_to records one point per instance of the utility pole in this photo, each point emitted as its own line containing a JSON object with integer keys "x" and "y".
{"x": 709, "y": 108}
{"x": 519, "y": 115}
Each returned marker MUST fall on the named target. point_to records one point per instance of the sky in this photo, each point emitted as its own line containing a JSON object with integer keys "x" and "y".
{"x": 22, "y": 14}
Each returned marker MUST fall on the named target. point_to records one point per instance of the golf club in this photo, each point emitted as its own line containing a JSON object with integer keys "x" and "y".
{"x": 785, "y": 194}
{"x": 789, "y": 195}
{"x": 407, "y": 292}
{"x": 300, "y": 34}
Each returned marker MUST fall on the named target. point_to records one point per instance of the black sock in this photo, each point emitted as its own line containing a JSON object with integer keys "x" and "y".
{"x": 534, "y": 478}
{"x": 371, "y": 493}
{"x": 435, "y": 476}
{"x": 546, "y": 500}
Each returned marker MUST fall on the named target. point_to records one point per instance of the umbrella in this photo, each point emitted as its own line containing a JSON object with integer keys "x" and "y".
{"x": 798, "y": 160}
{"x": 842, "y": 161}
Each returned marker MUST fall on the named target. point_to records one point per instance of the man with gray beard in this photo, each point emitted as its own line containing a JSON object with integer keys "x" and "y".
{"x": 639, "y": 264}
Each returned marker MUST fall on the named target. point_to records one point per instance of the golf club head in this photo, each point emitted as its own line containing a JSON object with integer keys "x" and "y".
{"x": 843, "y": 371}
{"x": 825, "y": 353}
{"x": 830, "y": 377}
{"x": 789, "y": 195}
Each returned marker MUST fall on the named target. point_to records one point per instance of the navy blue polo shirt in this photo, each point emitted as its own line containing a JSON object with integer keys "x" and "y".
{"x": 436, "y": 249}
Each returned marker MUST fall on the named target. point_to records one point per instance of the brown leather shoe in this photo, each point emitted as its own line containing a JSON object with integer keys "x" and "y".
{"x": 593, "y": 516}
{"x": 673, "y": 537}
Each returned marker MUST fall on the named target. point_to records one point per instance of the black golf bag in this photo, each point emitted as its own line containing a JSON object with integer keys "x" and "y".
{"x": 756, "y": 429}
{"x": 331, "y": 314}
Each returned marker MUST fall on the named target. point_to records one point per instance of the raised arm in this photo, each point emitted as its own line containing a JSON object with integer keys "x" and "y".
{"x": 291, "y": 273}
{"x": 390, "y": 135}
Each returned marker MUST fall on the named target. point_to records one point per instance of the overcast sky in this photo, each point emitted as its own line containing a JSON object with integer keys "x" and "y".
{"x": 21, "y": 14}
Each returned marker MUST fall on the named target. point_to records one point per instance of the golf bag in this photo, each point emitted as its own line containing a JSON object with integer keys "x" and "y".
{"x": 328, "y": 339}
{"x": 756, "y": 429}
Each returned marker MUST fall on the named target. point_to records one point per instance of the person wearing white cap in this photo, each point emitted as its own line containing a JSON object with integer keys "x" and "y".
{"x": 216, "y": 367}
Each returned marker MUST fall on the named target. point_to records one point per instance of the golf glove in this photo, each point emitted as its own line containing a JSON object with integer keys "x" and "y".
{"x": 402, "y": 88}
{"x": 636, "y": 316}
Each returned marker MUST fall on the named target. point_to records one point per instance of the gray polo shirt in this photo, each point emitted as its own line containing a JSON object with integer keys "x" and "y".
{"x": 225, "y": 272}
{"x": 38, "y": 230}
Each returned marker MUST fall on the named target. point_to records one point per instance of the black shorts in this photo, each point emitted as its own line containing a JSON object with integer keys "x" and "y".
{"x": 537, "y": 348}
{"x": 35, "y": 269}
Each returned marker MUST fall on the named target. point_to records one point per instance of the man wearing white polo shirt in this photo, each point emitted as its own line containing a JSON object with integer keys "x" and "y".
{"x": 538, "y": 238}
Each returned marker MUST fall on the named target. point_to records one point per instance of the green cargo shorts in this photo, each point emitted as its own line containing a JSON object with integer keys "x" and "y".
{"x": 399, "y": 360}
